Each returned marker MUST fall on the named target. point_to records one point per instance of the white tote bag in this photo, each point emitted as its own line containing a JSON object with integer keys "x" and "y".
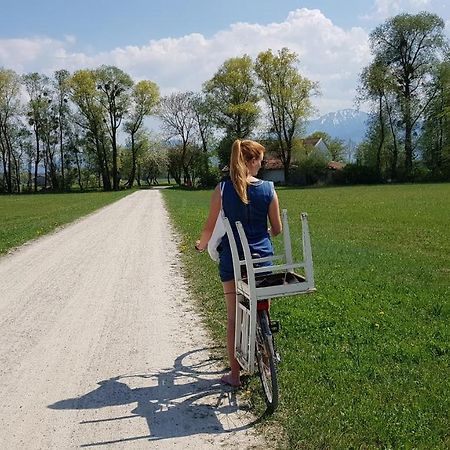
{"x": 218, "y": 232}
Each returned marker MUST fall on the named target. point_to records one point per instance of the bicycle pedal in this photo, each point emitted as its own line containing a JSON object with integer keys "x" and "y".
{"x": 274, "y": 326}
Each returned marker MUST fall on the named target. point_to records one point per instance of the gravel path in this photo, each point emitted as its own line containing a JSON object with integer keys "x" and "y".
{"x": 100, "y": 345}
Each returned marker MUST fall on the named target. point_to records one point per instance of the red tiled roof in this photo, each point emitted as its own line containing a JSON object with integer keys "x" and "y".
{"x": 311, "y": 141}
{"x": 273, "y": 164}
{"x": 335, "y": 165}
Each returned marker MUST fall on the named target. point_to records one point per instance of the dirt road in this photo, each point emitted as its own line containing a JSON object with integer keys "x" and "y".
{"x": 100, "y": 345}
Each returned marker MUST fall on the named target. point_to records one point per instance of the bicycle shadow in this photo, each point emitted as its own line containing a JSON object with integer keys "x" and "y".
{"x": 181, "y": 401}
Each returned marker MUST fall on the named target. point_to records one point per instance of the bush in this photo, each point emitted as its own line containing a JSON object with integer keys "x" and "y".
{"x": 209, "y": 177}
{"x": 356, "y": 174}
{"x": 310, "y": 170}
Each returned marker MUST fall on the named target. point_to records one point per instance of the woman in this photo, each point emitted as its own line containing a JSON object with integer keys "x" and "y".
{"x": 251, "y": 201}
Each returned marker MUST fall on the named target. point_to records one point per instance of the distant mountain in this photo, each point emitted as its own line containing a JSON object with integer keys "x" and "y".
{"x": 346, "y": 124}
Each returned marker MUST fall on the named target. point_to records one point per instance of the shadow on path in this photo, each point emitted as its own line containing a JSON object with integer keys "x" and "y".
{"x": 185, "y": 400}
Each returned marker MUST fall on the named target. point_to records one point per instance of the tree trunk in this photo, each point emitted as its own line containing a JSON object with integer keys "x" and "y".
{"x": 138, "y": 177}
{"x": 133, "y": 163}
{"x": 36, "y": 162}
{"x": 380, "y": 145}
{"x": 408, "y": 132}
{"x": 78, "y": 171}
{"x": 61, "y": 150}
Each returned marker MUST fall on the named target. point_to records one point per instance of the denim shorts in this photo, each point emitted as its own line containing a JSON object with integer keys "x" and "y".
{"x": 226, "y": 271}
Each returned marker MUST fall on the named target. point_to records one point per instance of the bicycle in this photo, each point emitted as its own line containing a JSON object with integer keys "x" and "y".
{"x": 255, "y": 286}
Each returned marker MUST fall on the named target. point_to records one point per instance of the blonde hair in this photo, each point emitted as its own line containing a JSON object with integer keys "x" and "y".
{"x": 241, "y": 153}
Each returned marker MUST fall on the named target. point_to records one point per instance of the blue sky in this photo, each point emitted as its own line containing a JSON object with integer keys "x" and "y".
{"x": 180, "y": 43}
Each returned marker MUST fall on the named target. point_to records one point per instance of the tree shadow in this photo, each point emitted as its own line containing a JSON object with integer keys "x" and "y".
{"x": 187, "y": 399}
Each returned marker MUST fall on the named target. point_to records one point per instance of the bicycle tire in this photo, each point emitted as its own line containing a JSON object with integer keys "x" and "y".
{"x": 265, "y": 357}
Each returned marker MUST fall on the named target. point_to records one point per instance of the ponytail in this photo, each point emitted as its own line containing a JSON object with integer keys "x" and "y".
{"x": 239, "y": 171}
{"x": 241, "y": 153}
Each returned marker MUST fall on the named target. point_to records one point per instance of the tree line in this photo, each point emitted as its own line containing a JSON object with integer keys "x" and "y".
{"x": 408, "y": 87}
{"x": 63, "y": 131}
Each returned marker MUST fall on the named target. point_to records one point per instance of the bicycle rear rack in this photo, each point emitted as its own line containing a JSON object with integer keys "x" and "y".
{"x": 260, "y": 283}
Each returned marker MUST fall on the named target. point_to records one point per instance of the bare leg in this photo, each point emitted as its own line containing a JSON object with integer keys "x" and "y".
{"x": 233, "y": 378}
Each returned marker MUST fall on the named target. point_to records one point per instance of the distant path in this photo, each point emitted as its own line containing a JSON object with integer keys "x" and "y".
{"x": 100, "y": 345}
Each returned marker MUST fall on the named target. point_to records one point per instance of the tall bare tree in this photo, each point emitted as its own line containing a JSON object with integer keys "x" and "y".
{"x": 179, "y": 123}
{"x": 144, "y": 98}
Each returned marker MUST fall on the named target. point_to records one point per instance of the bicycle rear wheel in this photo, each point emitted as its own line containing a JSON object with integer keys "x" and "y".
{"x": 265, "y": 357}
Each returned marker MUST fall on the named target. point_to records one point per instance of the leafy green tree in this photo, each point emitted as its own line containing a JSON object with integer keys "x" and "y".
{"x": 287, "y": 95}
{"x": 233, "y": 98}
{"x": 435, "y": 140}
{"x": 62, "y": 88}
{"x": 85, "y": 95}
{"x": 114, "y": 86}
{"x": 373, "y": 87}
{"x": 36, "y": 86}
{"x": 408, "y": 46}
{"x": 9, "y": 110}
{"x": 144, "y": 98}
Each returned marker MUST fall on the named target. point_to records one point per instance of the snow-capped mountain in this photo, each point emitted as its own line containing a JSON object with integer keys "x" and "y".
{"x": 346, "y": 124}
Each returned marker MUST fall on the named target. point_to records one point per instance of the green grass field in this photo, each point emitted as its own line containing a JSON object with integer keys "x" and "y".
{"x": 365, "y": 360}
{"x": 25, "y": 217}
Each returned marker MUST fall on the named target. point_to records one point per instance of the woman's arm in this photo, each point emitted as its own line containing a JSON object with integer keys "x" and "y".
{"x": 208, "y": 228}
{"x": 274, "y": 216}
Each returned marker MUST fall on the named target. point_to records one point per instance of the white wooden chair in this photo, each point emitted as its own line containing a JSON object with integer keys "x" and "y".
{"x": 266, "y": 282}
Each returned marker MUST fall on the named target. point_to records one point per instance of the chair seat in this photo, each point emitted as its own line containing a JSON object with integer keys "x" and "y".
{"x": 279, "y": 284}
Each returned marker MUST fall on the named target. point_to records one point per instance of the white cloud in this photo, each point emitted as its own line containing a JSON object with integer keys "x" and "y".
{"x": 331, "y": 55}
{"x": 387, "y": 8}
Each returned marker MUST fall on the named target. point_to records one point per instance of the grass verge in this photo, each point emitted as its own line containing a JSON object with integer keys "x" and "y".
{"x": 26, "y": 217}
{"x": 365, "y": 360}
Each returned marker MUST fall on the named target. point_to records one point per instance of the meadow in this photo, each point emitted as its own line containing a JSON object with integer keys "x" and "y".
{"x": 26, "y": 217}
{"x": 365, "y": 360}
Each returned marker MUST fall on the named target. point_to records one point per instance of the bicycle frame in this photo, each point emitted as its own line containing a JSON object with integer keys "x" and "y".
{"x": 250, "y": 289}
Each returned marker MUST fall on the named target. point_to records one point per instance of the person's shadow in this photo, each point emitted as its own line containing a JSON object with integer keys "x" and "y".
{"x": 180, "y": 401}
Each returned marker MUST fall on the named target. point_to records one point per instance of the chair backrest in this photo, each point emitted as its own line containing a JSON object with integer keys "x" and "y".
{"x": 234, "y": 250}
{"x": 287, "y": 263}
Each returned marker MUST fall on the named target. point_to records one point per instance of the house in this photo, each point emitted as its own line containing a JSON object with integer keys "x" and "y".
{"x": 316, "y": 147}
{"x": 274, "y": 170}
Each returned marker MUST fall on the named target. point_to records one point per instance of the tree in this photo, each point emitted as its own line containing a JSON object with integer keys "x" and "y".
{"x": 9, "y": 107}
{"x": 62, "y": 97}
{"x": 203, "y": 118}
{"x": 233, "y": 97}
{"x": 153, "y": 162}
{"x": 373, "y": 87}
{"x": 287, "y": 96}
{"x": 37, "y": 87}
{"x": 179, "y": 123}
{"x": 336, "y": 146}
{"x": 144, "y": 96}
{"x": 114, "y": 86}
{"x": 435, "y": 140}
{"x": 84, "y": 94}
{"x": 408, "y": 46}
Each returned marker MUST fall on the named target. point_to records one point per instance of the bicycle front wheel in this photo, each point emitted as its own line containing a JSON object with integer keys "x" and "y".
{"x": 265, "y": 357}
